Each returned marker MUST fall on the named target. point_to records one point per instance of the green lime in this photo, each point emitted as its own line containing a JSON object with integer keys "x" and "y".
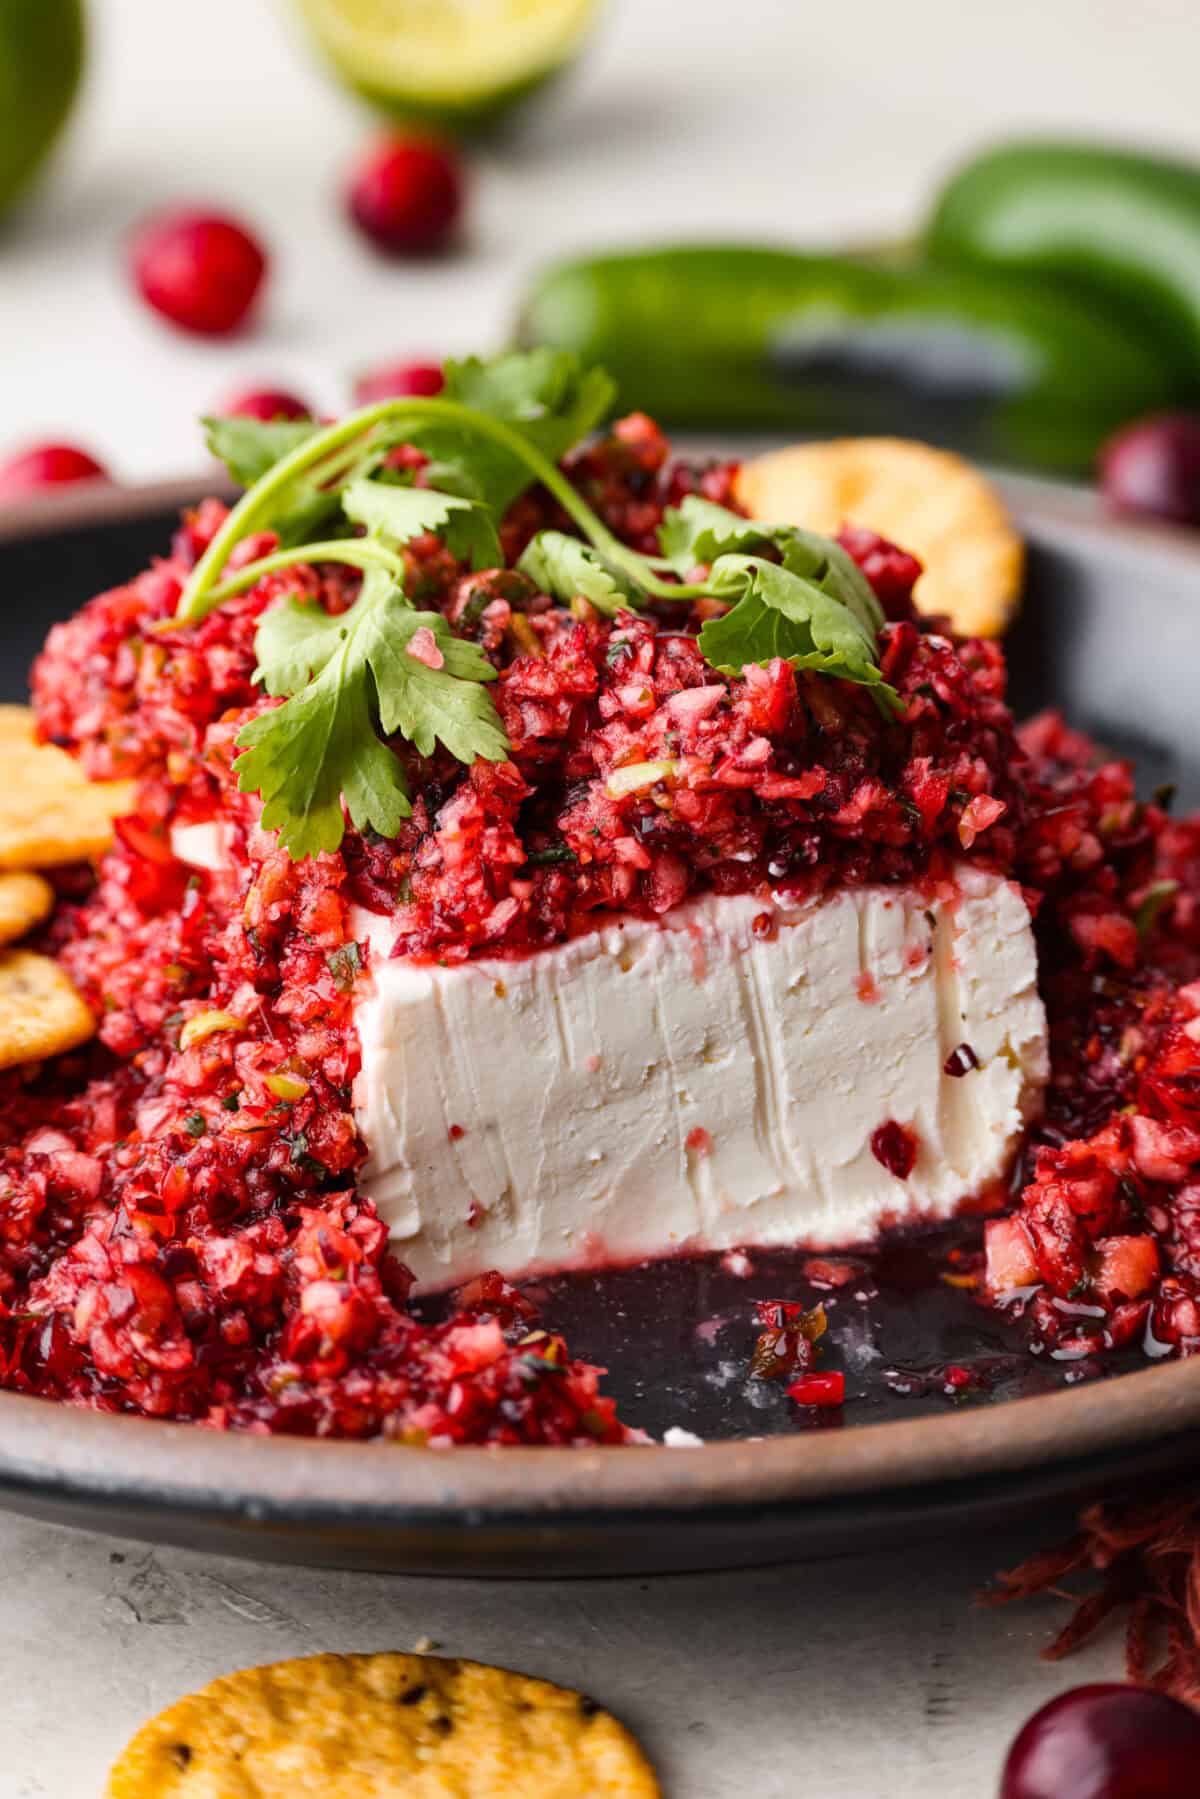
{"x": 460, "y": 64}
{"x": 41, "y": 60}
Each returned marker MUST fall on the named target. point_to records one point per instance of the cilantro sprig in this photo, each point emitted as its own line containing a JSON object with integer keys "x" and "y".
{"x": 384, "y": 670}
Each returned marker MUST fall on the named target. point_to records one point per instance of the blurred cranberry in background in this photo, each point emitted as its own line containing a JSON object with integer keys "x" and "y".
{"x": 1106, "y": 1742}
{"x": 399, "y": 381}
{"x": 47, "y": 465}
{"x": 406, "y": 195}
{"x": 266, "y": 403}
{"x": 201, "y": 271}
{"x": 1152, "y": 468}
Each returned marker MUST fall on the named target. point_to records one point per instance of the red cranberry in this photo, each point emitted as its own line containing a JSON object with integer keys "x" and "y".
{"x": 399, "y": 381}
{"x": 48, "y": 465}
{"x": 199, "y": 270}
{"x": 896, "y": 1147}
{"x": 1106, "y": 1742}
{"x": 266, "y": 403}
{"x": 1153, "y": 468}
{"x": 406, "y": 195}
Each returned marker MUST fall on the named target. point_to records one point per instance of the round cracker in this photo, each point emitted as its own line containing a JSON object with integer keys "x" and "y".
{"x": 378, "y": 1727}
{"x": 25, "y": 899}
{"x": 928, "y": 501}
{"x": 41, "y": 1014}
{"x": 50, "y": 813}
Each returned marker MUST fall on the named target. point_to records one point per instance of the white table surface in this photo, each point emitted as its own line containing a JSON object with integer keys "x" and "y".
{"x": 760, "y": 118}
{"x": 865, "y": 1678}
{"x": 860, "y": 1678}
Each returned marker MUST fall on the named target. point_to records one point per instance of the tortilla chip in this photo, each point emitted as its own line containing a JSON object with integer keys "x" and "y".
{"x": 41, "y": 1014}
{"x": 50, "y": 813}
{"x": 927, "y": 501}
{"x": 376, "y": 1727}
{"x": 25, "y": 900}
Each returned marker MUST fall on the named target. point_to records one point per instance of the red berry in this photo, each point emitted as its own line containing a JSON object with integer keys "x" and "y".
{"x": 398, "y": 381}
{"x": 1106, "y": 1742}
{"x": 406, "y": 195}
{"x": 1152, "y": 468}
{"x": 896, "y": 1147}
{"x": 266, "y": 403}
{"x": 199, "y": 270}
{"x": 819, "y": 1389}
{"x": 48, "y": 465}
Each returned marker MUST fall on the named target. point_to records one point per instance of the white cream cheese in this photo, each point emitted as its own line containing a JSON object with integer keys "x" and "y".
{"x": 696, "y": 1082}
{"x": 706, "y": 1080}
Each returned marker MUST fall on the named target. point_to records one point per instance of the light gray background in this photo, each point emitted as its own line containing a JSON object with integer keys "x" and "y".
{"x": 766, "y": 117}
{"x": 774, "y": 118}
{"x": 865, "y": 1678}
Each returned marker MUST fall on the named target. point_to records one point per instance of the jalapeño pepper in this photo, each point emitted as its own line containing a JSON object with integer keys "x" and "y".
{"x": 1118, "y": 228}
{"x": 738, "y": 338}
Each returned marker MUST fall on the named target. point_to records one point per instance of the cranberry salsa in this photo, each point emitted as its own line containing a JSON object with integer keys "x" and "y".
{"x": 460, "y": 662}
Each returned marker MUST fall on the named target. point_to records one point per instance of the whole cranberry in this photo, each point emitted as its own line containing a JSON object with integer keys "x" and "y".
{"x": 198, "y": 269}
{"x": 406, "y": 195}
{"x": 266, "y": 403}
{"x": 1152, "y": 467}
{"x": 48, "y": 465}
{"x": 1106, "y": 1742}
{"x": 399, "y": 381}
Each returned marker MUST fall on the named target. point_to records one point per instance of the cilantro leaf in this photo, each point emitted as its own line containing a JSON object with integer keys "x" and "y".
{"x": 564, "y": 566}
{"x": 250, "y": 447}
{"x": 321, "y": 747}
{"x": 546, "y": 395}
{"x": 699, "y": 532}
{"x": 780, "y": 613}
{"x": 397, "y": 514}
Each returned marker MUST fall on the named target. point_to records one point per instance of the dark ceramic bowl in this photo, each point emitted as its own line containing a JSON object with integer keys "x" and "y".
{"x": 1109, "y": 633}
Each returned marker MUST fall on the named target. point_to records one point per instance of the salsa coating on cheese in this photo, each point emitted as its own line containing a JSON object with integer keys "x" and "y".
{"x": 182, "y": 1232}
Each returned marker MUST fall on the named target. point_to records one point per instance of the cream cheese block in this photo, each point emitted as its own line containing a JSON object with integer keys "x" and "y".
{"x": 710, "y": 1079}
{"x": 706, "y": 1080}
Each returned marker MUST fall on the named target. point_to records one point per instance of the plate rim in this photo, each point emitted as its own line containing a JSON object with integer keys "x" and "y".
{"x": 52, "y": 1450}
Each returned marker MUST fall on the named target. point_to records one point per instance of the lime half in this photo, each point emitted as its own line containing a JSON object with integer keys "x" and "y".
{"x": 41, "y": 60}
{"x": 457, "y": 63}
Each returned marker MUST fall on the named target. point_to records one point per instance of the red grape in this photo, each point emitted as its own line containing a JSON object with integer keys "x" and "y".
{"x": 48, "y": 465}
{"x": 406, "y": 195}
{"x": 399, "y": 380}
{"x": 1106, "y": 1742}
{"x": 266, "y": 403}
{"x": 1152, "y": 468}
{"x": 201, "y": 271}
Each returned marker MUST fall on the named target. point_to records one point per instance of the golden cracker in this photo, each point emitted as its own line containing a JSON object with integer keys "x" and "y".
{"x": 929, "y": 502}
{"x": 25, "y": 900}
{"x": 41, "y": 1014}
{"x": 50, "y": 813}
{"x": 379, "y": 1727}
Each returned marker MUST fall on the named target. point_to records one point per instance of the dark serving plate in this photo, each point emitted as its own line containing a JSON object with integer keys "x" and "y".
{"x": 1108, "y": 633}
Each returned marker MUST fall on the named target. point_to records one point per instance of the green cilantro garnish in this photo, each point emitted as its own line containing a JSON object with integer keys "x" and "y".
{"x": 344, "y": 964}
{"x": 195, "y": 1124}
{"x": 384, "y": 670}
{"x": 564, "y": 566}
{"x": 321, "y": 747}
{"x": 1152, "y": 905}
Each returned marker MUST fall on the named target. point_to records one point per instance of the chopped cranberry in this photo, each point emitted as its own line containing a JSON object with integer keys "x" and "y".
{"x": 1106, "y": 1742}
{"x": 896, "y": 1147}
{"x": 1152, "y": 468}
{"x": 48, "y": 465}
{"x": 399, "y": 381}
{"x": 406, "y": 195}
{"x": 819, "y": 1389}
{"x": 200, "y": 270}
{"x": 266, "y": 403}
{"x": 960, "y": 1061}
